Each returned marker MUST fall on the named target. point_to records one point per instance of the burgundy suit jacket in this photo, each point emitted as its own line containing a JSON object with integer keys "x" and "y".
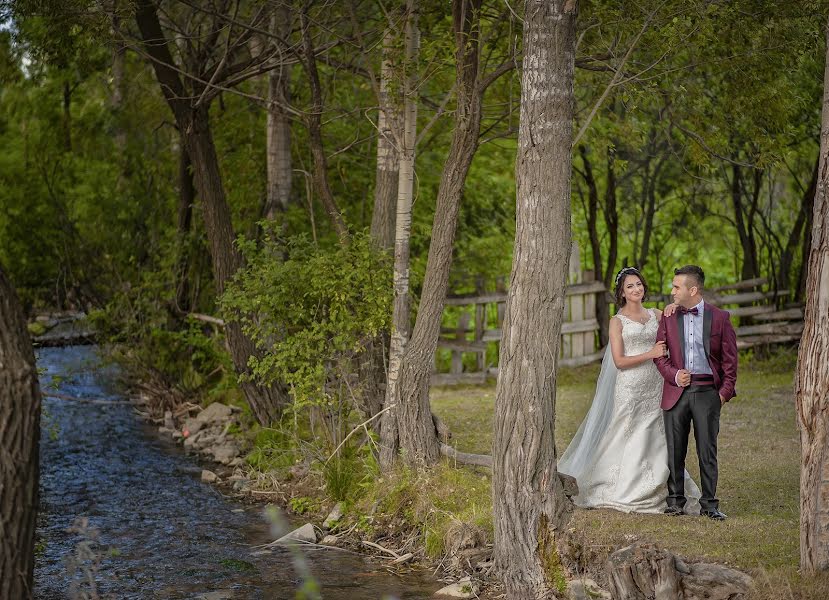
{"x": 720, "y": 343}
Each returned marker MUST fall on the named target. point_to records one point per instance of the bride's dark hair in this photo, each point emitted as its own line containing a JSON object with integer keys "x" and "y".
{"x": 619, "y": 282}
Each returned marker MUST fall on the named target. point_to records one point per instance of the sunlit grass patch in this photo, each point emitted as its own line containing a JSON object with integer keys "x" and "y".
{"x": 758, "y": 487}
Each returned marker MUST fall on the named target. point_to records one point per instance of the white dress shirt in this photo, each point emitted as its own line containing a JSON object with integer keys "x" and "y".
{"x": 696, "y": 362}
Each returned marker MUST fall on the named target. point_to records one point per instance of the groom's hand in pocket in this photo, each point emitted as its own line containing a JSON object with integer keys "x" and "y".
{"x": 722, "y": 400}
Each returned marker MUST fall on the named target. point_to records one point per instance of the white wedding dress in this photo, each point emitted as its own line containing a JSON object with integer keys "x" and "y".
{"x": 619, "y": 456}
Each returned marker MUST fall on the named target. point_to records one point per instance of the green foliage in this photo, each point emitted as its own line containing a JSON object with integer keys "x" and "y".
{"x": 303, "y": 504}
{"x": 153, "y": 344}
{"x": 310, "y": 310}
{"x": 273, "y": 450}
{"x": 341, "y": 474}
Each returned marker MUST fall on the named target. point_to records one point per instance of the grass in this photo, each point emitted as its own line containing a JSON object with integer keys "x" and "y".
{"x": 759, "y": 455}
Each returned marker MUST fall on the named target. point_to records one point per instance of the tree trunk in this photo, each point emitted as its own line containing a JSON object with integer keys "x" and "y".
{"x": 118, "y": 81}
{"x": 744, "y": 223}
{"x": 386, "y": 191}
{"x": 805, "y": 248}
{"x": 418, "y": 438}
{"x": 194, "y": 124}
{"x": 19, "y": 439}
{"x": 611, "y": 218}
{"x": 278, "y": 126}
{"x": 67, "y": 117}
{"x": 265, "y": 402}
{"x": 530, "y": 508}
{"x": 784, "y": 274}
{"x": 404, "y": 176}
{"x": 314, "y": 121}
{"x": 186, "y": 199}
{"x": 592, "y": 216}
{"x": 643, "y": 571}
{"x": 812, "y": 375}
{"x": 650, "y": 213}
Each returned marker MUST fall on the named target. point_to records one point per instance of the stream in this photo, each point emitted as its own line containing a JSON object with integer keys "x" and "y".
{"x": 152, "y": 529}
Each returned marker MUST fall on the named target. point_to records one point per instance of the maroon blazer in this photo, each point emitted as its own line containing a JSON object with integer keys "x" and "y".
{"x": 720, "y": 343}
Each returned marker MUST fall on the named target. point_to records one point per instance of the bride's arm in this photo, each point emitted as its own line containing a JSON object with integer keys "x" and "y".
{"x": 617, "y": 348}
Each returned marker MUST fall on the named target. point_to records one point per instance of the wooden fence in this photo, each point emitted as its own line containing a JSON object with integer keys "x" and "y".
{"x": 761, "y": 317}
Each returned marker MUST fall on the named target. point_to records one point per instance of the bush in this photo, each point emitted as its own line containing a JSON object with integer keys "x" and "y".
{"x": 311, "y": 312}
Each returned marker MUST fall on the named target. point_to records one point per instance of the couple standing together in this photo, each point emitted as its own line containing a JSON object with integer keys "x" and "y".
{"x": 660, "y": 374}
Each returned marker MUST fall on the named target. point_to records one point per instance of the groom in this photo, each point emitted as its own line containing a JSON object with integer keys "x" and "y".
{"x": 700, "y": 373}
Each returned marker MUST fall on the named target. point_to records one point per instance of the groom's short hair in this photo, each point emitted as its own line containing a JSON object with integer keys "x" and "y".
{"x": 694, "y": 272}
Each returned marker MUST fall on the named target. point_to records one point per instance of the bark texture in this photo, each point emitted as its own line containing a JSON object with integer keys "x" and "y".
{"x": 390, "y": 130}
{"x": 643, "y": 571}
{"x": 278, "y": 126}
{"x": 19, "y": 439}
{"x": 401, "y": 312}
{"x": 530, "y": 507}
{"x": 812, "y": 376}
{"x": 194, "y": 124}
{"x": 418, "y": 439}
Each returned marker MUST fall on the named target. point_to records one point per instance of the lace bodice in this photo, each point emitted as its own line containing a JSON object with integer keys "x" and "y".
{"x": 641, "y": 385}
{"x": 638, "y": 337}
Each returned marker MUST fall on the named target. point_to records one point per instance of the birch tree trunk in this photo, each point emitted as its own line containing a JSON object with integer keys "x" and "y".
{"x": 418, "y": 437}
{"x": 278, "y": 126}
{"x": 390, "y": 128}
{"x": 401, "y": 315}
{"x": 19, "y": 439}
{"x": 812, "y": 376}
{"x": 530, "y": 508}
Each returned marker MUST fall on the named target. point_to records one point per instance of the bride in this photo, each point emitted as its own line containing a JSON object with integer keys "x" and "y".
{"x": 619, "y": 455}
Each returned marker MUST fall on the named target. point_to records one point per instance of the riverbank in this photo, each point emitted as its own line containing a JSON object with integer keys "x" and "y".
{"x": 443, "y": 518}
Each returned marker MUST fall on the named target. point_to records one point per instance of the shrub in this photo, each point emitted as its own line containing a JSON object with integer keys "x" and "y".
{"x": 311, "y": 312}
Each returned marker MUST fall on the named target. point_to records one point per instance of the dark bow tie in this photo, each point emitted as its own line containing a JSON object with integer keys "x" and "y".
{"x": 685, "y": 311}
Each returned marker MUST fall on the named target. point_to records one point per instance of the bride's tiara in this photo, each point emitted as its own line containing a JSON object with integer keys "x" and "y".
{"x": 625, "y": 271}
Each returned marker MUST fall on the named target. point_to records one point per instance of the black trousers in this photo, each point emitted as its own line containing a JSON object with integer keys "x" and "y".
{"x": 700, "y": 405}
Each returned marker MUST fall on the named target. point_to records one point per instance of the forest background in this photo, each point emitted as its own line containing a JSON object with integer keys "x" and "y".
{"x": 696, "y": 139}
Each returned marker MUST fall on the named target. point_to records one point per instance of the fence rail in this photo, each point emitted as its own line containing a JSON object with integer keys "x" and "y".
{"x": 761, "y": 315}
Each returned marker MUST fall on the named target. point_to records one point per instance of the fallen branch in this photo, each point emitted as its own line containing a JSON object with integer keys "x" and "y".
{"x": 207, "y": 318}
{"x": 381, "y": 548}
{"x": 481, "y": 460}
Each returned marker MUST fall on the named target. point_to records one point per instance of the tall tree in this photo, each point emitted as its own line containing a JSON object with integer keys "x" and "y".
{"x": 418, "y": 438}
{"x": 404, "y": 176}
{"x": 314, "y": 123}
{"x": 812, "y": 375}
{"x": 278, "y": 126}
{"x": 19, "y": 440}
{"x": 189, "y": 99}
{"x": 530, "y": 508}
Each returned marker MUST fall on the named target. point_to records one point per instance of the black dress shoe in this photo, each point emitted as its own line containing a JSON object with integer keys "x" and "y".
{"x": 673, "y": 511}
{"x": 713, "y": 514}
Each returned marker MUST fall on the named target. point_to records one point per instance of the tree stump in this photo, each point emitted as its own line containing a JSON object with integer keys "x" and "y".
{"x": 644, "y": 572}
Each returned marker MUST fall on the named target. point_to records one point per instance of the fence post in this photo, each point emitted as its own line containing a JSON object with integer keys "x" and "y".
{"x": 480, "y": 325}
{"x": 460, "y": 334}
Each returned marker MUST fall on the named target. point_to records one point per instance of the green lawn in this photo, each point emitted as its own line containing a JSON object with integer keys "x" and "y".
{"x": 758, "y": 485}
